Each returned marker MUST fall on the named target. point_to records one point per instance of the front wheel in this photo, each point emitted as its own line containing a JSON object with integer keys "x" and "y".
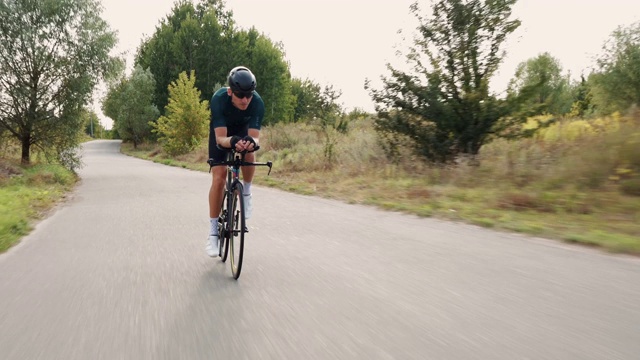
{"x": 236, "y": 228}
{"x": 223, "y": 233}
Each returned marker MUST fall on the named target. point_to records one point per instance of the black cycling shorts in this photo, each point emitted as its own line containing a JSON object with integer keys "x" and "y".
{"x": 220, "y": 155}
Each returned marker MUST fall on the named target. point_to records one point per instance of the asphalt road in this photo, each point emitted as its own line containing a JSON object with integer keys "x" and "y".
{"x": 119, "y": 272}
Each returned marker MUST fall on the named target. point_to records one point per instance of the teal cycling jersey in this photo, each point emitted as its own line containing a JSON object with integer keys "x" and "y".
{"x": 224, "y": 114}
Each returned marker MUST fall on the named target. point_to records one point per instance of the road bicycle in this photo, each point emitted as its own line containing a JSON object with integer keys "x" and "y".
{"x": 231, "y": 222}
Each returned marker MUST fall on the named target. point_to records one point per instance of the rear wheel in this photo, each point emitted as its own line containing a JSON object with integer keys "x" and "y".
{"x": 236, "y": 228}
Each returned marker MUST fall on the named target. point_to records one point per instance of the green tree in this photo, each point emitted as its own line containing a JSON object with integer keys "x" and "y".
{"x": 443, "y": 107}
{"x": 211, "y": 70}
{"x": 266, "y": 60}
{"x": 616, "y": 83}
{"x": 91, "y": 124}
{"x": 552, "y": 93}
{"x": 309, "y": 99}
{"x": 332, "y": 121}
{"x": 156, "y": 54}
{"x": 52, "y": 55}
{"x": 204, "y": 38}
{"x": 129, "y": 103}
{"x": 306, "y": 94}
{"x": 315, "y": 103}
{"x": 331, "y": 113}
{"x": 189, "y": 38}
{"x": 186, "y": 122}
{"x": 582, "y": 98}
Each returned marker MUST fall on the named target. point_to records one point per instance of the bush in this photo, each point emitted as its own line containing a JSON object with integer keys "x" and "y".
{"x": 630, "y": 186}
{"x": 185, "y": 125}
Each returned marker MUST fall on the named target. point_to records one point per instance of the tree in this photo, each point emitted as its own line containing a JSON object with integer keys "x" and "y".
{"x": 211, "y": 70}
{"x": 156, "y": 54}
{"x": 616, "y": 83}
{"x": 52, "y": 55}
{"x": 582, "y": 98}
{"x": 266, "y": 60}
{"x": 186, "y": 118}
{"x": 330, "y": 113}
{"x": 313, "y": 102}
{"x": 444, "y": 106}
{"x": 204, "y": 38}
{"x": 553, "y": 91}
{"x": 332, "y": 121}
{"x": 129, "y": 103}
{"x": 91, "y": 124}
{"x": 189, "y": 38}
{"x": 307, "y": 99}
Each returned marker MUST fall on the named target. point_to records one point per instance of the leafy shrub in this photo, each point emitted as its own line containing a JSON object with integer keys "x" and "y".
{"x": 631, "y": 186}
{"x": 186, "y": 122}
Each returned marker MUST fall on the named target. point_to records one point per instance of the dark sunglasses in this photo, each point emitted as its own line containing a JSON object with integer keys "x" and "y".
{"x": 242, "y": 95}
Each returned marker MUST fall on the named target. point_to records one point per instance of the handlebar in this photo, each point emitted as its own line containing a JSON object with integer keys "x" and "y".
{"x": 238, "y": 161}
{"x": 255, "y": 148}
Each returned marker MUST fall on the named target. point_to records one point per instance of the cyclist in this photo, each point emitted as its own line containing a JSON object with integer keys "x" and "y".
{"x": 236, "y": 115}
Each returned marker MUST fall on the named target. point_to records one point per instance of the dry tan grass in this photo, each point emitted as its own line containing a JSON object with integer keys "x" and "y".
{"x": 573, "y": 181}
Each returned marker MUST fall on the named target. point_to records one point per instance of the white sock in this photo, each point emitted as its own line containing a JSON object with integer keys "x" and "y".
{"x": 214, "y": 226}
{"x": 247, "y": 188}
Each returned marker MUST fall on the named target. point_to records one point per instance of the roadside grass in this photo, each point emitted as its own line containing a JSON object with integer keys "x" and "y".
{"x": 577, "y": 181}
{"x": 26, "y": 194}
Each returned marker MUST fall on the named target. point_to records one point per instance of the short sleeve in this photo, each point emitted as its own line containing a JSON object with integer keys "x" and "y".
{"x": 218, "y": 119}
{"x": 256, "y": 119}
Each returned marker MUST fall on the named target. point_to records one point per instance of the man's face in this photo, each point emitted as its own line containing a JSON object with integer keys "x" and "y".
{"x": 239, "y": 99}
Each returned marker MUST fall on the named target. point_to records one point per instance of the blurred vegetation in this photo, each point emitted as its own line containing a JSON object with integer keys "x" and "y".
{"x": 27, "y": 192}
{"x": 576, "y": 180}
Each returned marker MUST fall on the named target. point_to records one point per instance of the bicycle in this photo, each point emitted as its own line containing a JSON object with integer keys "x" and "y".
{"x": 231, "y": 222}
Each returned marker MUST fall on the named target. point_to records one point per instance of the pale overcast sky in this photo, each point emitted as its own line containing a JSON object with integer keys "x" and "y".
{"x": 344, "y": 42}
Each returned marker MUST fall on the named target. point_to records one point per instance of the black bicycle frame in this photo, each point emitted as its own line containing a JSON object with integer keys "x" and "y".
{"x": 234, "y": 162}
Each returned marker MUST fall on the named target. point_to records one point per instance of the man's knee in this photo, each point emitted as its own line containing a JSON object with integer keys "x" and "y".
{"x": 218, "y": 176}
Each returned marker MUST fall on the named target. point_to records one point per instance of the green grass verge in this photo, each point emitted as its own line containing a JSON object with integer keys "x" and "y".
{"x": 27, "y": 196}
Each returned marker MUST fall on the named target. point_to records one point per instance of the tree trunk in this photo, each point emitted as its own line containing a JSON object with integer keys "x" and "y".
{"x": 26, "y": 145}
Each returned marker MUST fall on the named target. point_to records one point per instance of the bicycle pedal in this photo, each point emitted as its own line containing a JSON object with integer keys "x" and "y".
{"x": 245, "y": 229}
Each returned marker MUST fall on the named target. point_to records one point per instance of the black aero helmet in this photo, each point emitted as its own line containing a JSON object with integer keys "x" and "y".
{"x": 241, "y": 79}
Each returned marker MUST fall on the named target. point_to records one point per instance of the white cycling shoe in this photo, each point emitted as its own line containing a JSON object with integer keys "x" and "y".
{"x": 213, "y": 246}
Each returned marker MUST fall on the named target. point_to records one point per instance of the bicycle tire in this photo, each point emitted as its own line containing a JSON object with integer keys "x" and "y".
{"x": 222, "y": 230}
{"x": 236, "y": 228}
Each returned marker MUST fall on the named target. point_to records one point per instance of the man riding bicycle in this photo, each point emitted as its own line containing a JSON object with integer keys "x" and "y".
{"x": 236, "y": 115}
